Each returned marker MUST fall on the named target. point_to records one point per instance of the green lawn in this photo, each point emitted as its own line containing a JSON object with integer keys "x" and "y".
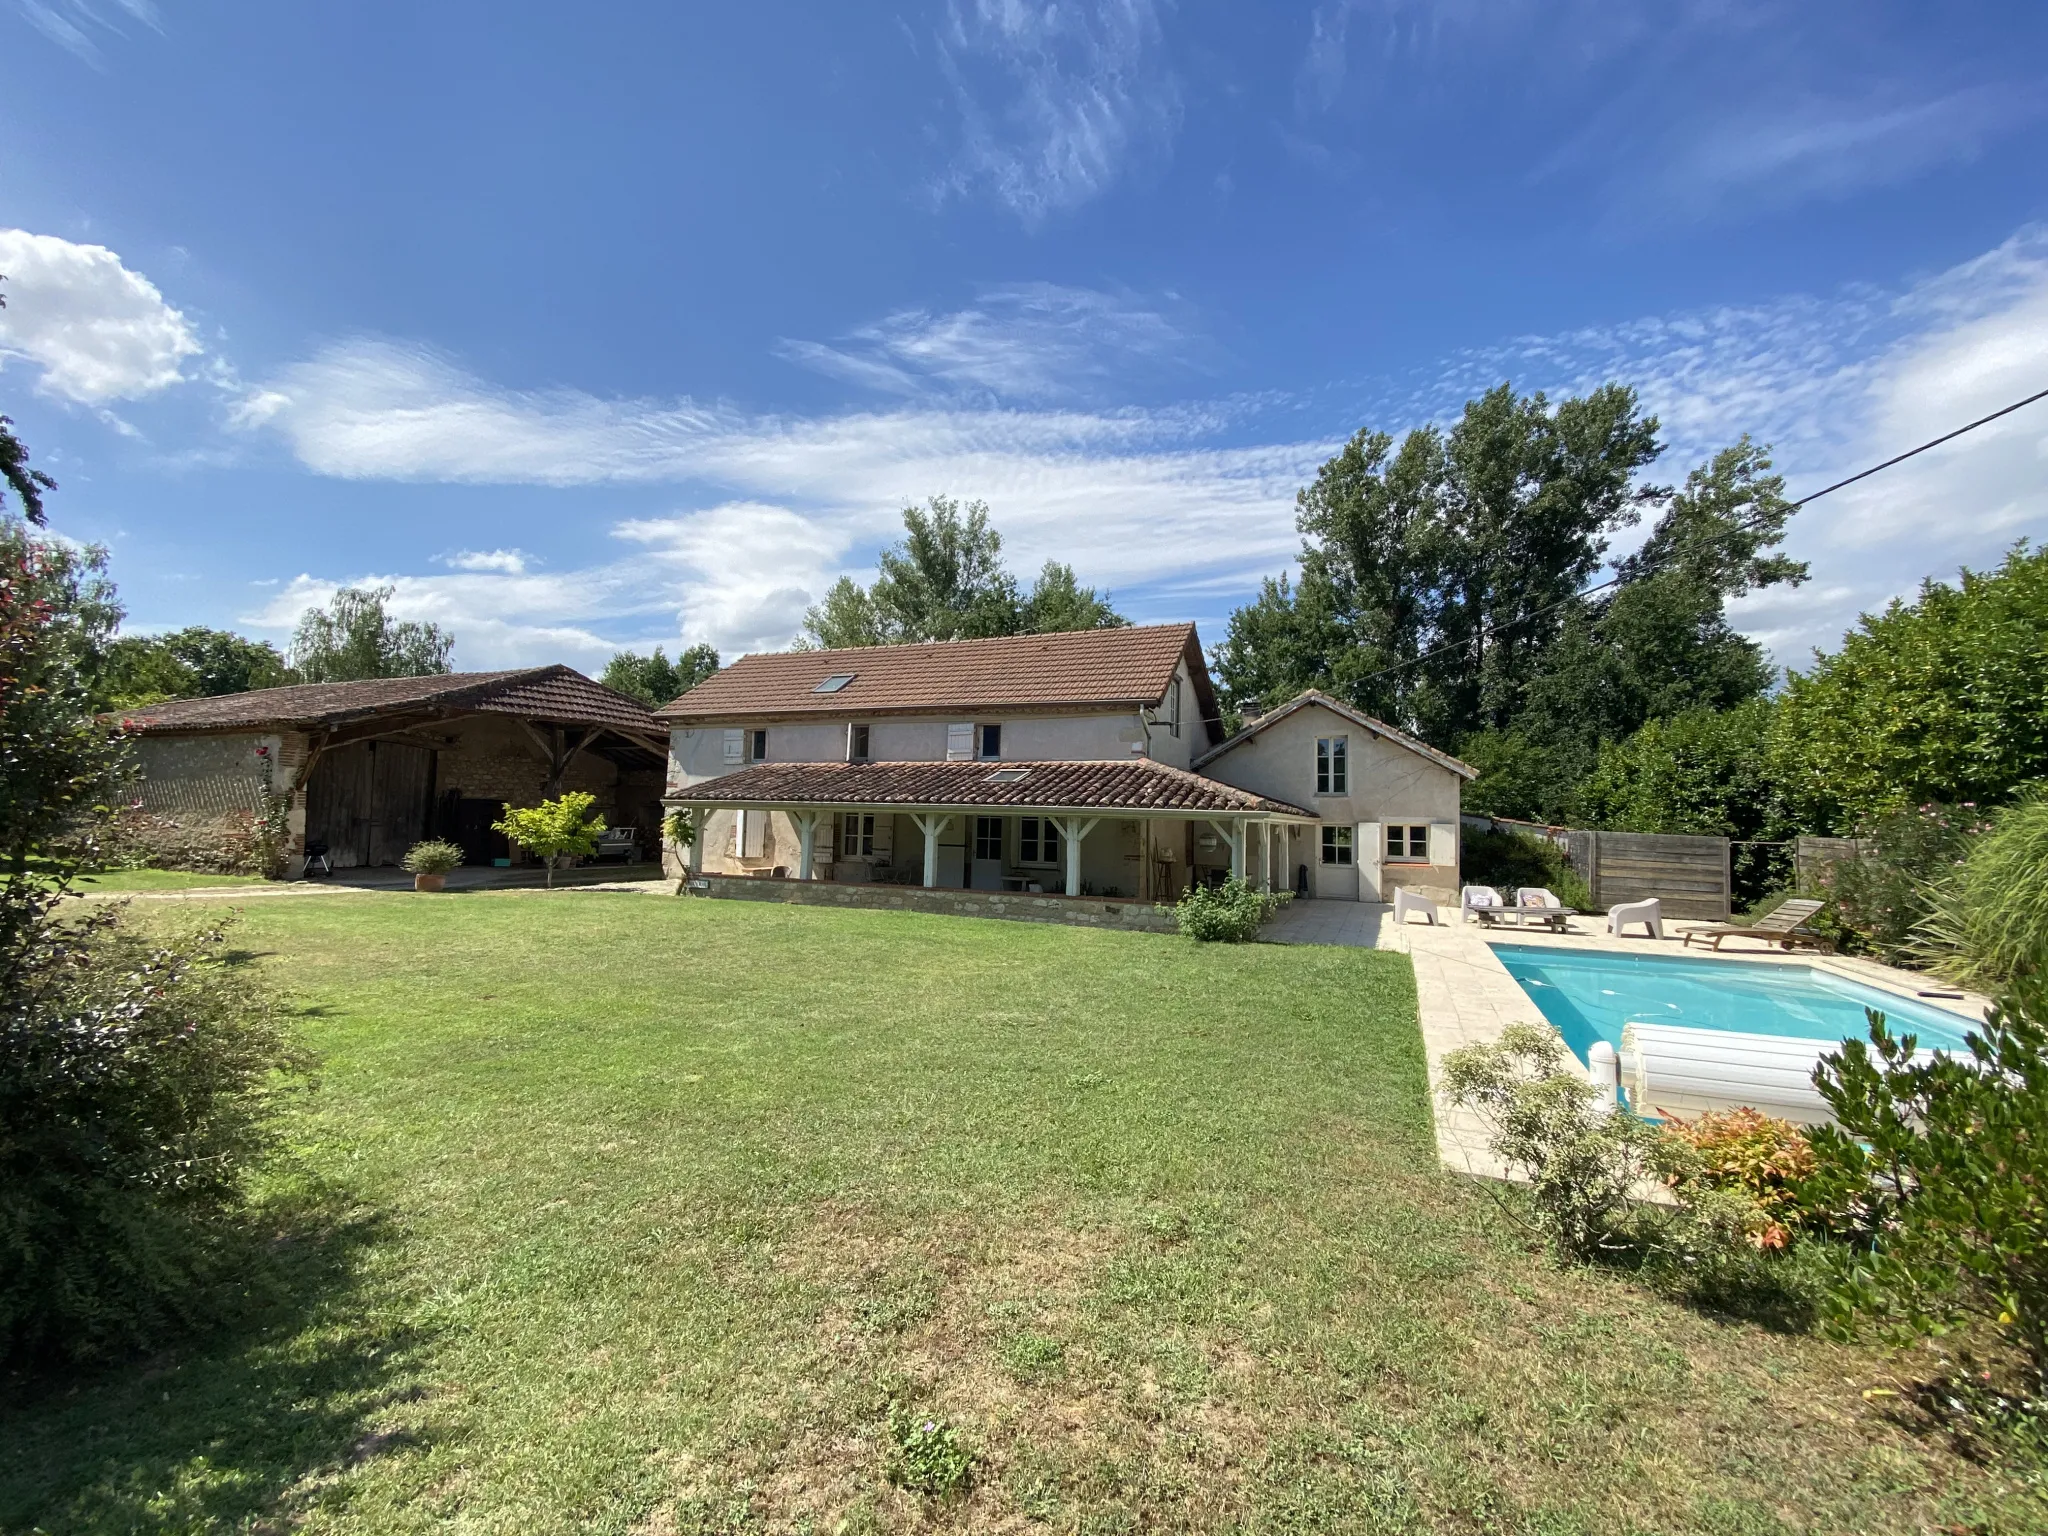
{"x": 157, "y": 880}
{"x": 635, "y": 1214}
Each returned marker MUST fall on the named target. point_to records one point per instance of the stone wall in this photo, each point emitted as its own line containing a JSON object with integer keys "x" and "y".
{"x": 1083, "y": 911}
{"x": 203, "y": 802}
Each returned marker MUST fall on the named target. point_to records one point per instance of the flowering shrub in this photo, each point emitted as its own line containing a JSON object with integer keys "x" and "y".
{"x": 929, "y": 1456}
{"x": 1744, "y": 1152}
{"x": 1230, "y": 913}
{"x": 432, "y": 858}
{"x": 1878, "y": 900}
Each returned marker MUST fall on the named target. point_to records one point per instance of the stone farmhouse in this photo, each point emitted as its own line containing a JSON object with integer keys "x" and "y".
{"x": 367, "y": 769}
{"x": 1090, "y": 766}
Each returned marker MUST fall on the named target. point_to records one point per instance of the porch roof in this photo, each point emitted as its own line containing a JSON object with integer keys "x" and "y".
{"x": 1130, "y": 786}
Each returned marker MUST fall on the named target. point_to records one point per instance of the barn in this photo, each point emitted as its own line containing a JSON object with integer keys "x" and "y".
{"x": 248, "y": 781}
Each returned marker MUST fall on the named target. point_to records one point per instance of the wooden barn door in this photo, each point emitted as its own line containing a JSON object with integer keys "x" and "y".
{"x": 368, "y": 801}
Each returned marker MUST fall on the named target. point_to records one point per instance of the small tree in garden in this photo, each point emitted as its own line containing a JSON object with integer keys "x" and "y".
{"x": 555, "y": 829}
{"x": 1230, "y": 913}
{"x": 1940, "y": 1171}
{"x": 1582, "y": 1159}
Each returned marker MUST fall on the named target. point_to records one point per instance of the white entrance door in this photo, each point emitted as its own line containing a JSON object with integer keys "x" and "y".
{"x": 986, "y": 870}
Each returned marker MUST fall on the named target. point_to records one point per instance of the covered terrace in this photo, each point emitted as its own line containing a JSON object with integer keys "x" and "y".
{"x": 1074, "y": 798}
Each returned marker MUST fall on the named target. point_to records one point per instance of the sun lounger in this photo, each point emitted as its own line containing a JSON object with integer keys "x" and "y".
{"x": 1649, "y": 913}
{"x": 1535, "y": 903}
{"x": 1784, "y": 925}
{"x": 1406, "y": 902}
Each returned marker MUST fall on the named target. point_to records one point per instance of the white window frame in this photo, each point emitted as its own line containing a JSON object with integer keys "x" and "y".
{"x": 997, "y": 856}
{"x": 859, "y": 742}
{"x": 857, "y": 836}
{"x": 1173, "y": 706}
{"x": 1333, "y": 765}
{"x": 1038, "y": 842}
{"x": 757, "y": 744}
{"x": 1406, "y": 832}
{"x": 1339, "y": 849}
{"x": 981, "y": 736}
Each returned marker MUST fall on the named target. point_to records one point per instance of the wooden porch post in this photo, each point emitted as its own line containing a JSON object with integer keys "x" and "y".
{"x": 1072, "y": 830}
{"x": 806, "y": 843}
{"x": 931, "y": 827}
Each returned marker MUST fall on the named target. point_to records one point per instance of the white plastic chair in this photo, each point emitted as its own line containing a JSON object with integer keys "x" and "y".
{"x": 1479, "y": 898}
{"x": 1406, "y": 902}
{"x": 1649, "y": 913}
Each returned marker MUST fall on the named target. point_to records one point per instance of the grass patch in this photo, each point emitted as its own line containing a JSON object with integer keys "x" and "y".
{"x": 120, "y": 880}
{"x": 648, "y": 1215}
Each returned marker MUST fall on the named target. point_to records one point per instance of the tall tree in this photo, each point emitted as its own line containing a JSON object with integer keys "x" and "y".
{"x": 27, "y": 484}
{"x": 655, "y": 680}
{"x": 946, "y": 581}
{"x": 1460, "y": 543}
{"x": 354, "y": 637}
{"x": 190, "y": 663}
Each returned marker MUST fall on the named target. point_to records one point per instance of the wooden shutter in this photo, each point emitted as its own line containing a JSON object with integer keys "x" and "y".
{"x": 735, "y": 746}
{"x": 960, "y": 742}
{"x": 885, "y": 826}
{"x": 1443, "y": 843}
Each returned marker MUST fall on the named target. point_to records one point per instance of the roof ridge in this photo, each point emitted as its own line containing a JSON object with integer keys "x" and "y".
{"x": 900, "y": 646}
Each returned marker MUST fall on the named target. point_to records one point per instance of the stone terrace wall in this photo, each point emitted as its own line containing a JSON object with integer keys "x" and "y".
{"x": 1084, "y": 911}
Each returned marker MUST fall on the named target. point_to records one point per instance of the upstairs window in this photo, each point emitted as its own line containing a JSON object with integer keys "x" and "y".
{"x": 988, "y": 838}
{"x": 1336, "y": 845}
{"x": 988, "y": 741}
{"x": 1333, "y": 765}
{"x": 856, "y": 743}
{"x": 1038, "y": 841}
{"x": 757, "y": 746}
{"x": 1408, "y": 843}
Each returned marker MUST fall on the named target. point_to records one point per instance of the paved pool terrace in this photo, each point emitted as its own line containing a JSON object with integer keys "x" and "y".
{"x": 1465, "y": 995}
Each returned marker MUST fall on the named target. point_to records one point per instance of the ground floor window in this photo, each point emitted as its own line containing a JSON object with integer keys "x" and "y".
{"x": 1408, "y": 842}
{"x": 858, "y": 838}
{"x": 988, "y": 837}
{"x": 1336, "y": 845}
{"x": 1038, "y": 841}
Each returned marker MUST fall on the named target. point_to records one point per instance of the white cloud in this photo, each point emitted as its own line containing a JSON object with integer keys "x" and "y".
{"x": 509, "y": 562}
{"x": 71, "y": 24}
{"x": 1056, "y": 98}
{"x": 99, "y": 331}
{"x": 1031, "y": 341}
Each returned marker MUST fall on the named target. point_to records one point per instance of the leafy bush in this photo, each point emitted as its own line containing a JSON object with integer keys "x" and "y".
{"x": 554, "y": 829}
{"x": 1230, "y": 913}
{"x": 1988, "y": 920}
{"x": 432, "y": 858}
{"x": 139, "y": 1086}
{"x": 1506, "y": 860}
{"x": 929, "y": 1456}
{"x": 1744, "y": 1152}
{"x": 1878, "y": 901}
{"x": 1581, "y": 1157}
{"x": 1938, "y": 1173}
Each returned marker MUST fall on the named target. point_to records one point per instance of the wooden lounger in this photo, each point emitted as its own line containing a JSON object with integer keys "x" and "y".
{"x": 1785, "y": 926}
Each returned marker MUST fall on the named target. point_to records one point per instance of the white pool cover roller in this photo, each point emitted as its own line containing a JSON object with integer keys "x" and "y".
{"x": 1670, "y": 1070}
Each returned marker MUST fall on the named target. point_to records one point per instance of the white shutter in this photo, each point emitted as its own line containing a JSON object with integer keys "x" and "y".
{"x": 750, "y": 830}
{"x": 1443, "y": 843}
{"x": 885, "y": 829}
{"x": 735, "y": 746}
{"x": 1368, "y": 848}
{"x": 960, "y": 743}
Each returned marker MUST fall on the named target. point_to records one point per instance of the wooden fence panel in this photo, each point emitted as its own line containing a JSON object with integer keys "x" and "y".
{"x": 1689, "y": 875}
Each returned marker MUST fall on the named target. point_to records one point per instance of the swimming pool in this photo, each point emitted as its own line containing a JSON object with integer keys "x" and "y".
{"x": 1589, "y": 995}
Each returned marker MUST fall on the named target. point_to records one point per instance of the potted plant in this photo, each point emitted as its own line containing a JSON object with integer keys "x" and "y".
{"x": 430, "y": 862}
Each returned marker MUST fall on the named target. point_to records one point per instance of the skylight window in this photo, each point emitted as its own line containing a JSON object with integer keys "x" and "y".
{"x": 1009, "y": 775}
{"x": 834, "y": 683}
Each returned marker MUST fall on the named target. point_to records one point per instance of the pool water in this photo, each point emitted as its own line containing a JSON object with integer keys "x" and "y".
{"x": 1589, "y": 995}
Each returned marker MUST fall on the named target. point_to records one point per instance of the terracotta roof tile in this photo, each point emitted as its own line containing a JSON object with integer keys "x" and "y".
{"x": 1137, "y": 784}
{"x": 555, "y": 693}
{"x": 1102, "y": 668}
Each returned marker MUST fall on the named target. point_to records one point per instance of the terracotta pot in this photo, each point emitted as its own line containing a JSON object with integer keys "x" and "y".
{"x": 429, "y": 882}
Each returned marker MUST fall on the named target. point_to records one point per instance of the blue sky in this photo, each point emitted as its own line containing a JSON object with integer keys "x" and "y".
{"x": 639, "y": 324}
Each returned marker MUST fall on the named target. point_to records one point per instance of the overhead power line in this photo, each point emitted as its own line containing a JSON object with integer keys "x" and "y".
{"x": 1742, "y": 526}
